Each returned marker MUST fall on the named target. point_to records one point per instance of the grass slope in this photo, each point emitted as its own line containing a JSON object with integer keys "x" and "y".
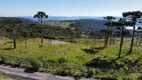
{"x": 103, "y": 64}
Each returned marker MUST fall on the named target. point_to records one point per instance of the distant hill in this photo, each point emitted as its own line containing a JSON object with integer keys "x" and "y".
{"x": 24, "y": 20}
{"x": 88, "y": 24}
{"x": 59, "y": 18}
{"x": 91, "y": 24}
{"x": 85, "y": 22}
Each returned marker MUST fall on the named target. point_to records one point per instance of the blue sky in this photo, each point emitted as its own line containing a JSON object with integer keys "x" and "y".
{"x": 68, "y": 7}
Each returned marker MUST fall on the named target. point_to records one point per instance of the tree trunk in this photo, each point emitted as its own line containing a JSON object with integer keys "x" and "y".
{"x": 14, "y": 42}
{"x": 41, "y": 32}
{"x": 140, "y": 41}
{"x": 121, "y": 42}
{"x": 41, "y": 37}
{"x": 33, "y": 36}
{"x": 137, "y": 38}
{"x": 114, "y": 35}
{"x": 14, "y": 37}
{"x": 111, "y": 38}
{"x": 25, "y": 42}
{"x": 132, "y": 41}
{"x": 105, "y": 41}
{"x": 106, "y": 38}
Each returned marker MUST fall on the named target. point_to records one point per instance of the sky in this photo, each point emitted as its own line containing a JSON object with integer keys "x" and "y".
{"x": 68, "y": 7}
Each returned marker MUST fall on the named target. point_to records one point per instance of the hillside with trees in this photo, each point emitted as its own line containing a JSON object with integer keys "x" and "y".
{"x": 98, "y": 49}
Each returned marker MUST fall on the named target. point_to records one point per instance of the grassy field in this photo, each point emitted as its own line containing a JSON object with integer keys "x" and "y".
{"x": 48, "y": 52}
{"x": 85, "y": 54}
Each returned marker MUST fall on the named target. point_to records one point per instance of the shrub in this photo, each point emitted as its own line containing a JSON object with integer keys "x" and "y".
{"x": 23, "y": 62}
{"x": 62, "y": 60}
{"x": 97, "y": 71}
{"x": 51, "y": 61}
{"x": 36, "y": 64}
{"x": 4, "y": 59}
{"x": 106, "y": 76}
{"x": 69, "y": 70}
{"x": 64, "y": 70}
{"x": 90, "y": 73}
{"x": 133, "y": 76}
{"x": 83, "y": 71}
{"x": 18, "y": 61}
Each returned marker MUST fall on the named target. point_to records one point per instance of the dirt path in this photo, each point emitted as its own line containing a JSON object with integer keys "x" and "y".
{"x": 18, "y": 73}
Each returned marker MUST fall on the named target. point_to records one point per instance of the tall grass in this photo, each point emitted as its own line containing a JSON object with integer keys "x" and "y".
{"x": 79, "y": 54}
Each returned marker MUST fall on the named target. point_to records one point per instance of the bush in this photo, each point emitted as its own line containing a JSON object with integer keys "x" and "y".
{"x": 36, "y": 64}
{"x": 83, "y": 71}
{"x": 106, "y": 76}
{"x": 51, "y": 61}
{"x": 4, "y": 59}
{"x": 62, "y": 60}
{"x": 133, "y": 76}
{"x": 90, "y": 73}
{"x": 23, "y": 62}
{"x": 74, "y": 71}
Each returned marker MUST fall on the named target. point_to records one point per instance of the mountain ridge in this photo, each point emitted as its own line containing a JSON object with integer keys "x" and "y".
{"x": 59, "y": 18}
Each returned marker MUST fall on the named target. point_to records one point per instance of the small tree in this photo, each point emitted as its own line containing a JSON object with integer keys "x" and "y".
{"x": 109, "y": 18}
{"x": 34, "y": 28}
{"x": 139, "y": 30}
{"x": 67, "y": 33}
{"x": 108, "y": 31}
{"x": 121, "y": 23}
{"x": 41, "y": 15}
{"x": 133, "y": 16}
{"x": 74, "y": 31}
{"x": 12, "y": 25}
{"x": 26, "y": 33}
